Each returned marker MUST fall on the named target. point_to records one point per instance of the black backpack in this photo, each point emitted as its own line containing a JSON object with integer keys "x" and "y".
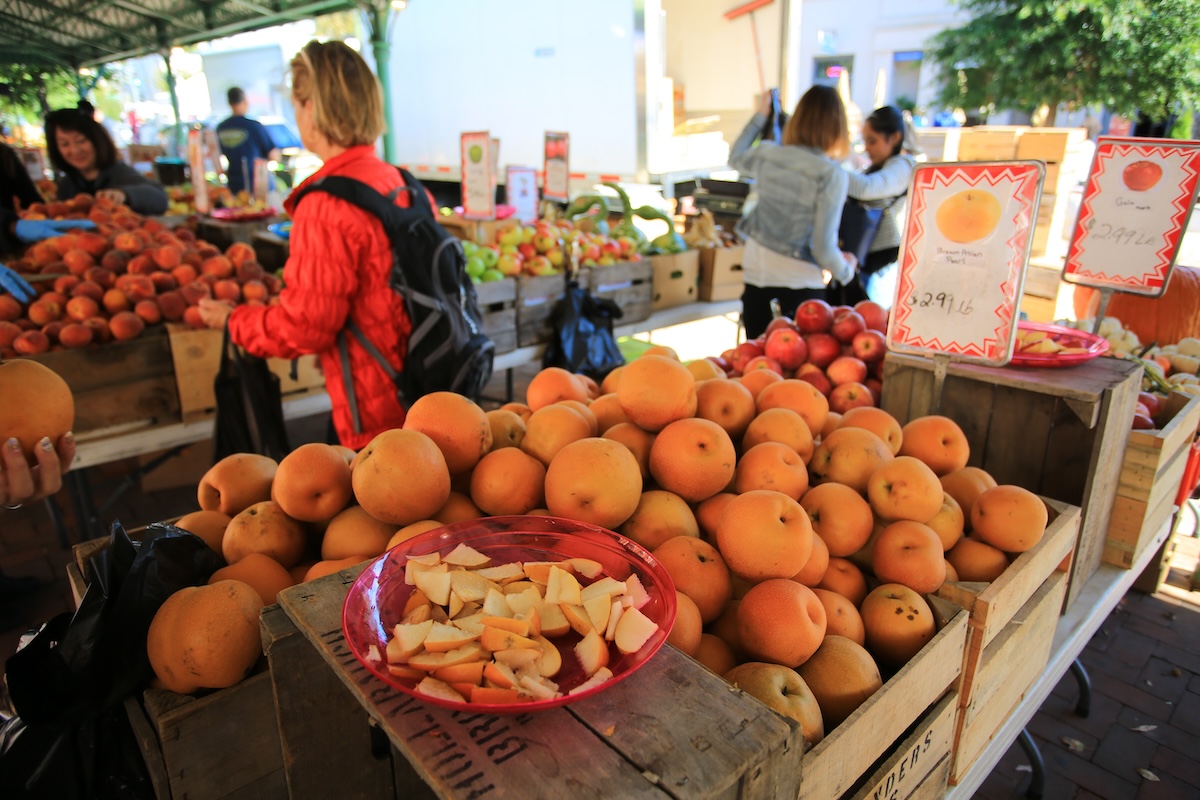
{"x": 447, "y": 349}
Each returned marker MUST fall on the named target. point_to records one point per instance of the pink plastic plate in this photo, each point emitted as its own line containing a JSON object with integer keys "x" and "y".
{"x": 1067, "y": 337}
{"x": 240, "y": 214}
{"x": 373, "y": 606}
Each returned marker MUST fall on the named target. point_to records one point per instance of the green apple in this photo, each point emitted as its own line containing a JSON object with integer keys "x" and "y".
{"x": 475, "y": 266}
{"x": 782, "y": 690}
{"x": 469, "y": 248}
{"x": 489, "y": 256}
{"x": 491, "y": 275}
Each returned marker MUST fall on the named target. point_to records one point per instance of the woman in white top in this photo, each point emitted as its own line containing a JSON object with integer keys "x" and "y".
{"x": 791, "y": 233}
{"x": 884, "y": 185}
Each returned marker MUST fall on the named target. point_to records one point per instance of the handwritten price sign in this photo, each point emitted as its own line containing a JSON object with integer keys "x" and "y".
{"x": 556, "y": 149}
{"x": 1135, "y": 208}
{"x": 962, "y": 264}
{"x": 478, "y": 175}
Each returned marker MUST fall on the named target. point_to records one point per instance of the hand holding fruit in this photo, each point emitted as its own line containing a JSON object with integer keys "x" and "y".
{"x": 115, "y": 196}
{"x": 19, "y": 483}
{"x": 15, "y": 285}
{"x": 35, "y": 230}
{"x": 215, "y": 313}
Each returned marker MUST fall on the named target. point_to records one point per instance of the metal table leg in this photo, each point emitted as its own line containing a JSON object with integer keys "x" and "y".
{"x": 1037, "y": 776}
{"x": 1084, "y": 705}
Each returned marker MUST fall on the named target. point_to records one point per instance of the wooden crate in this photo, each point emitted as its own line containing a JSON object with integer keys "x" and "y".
{"x": 498, "y": 304}
{"x": 270, "y": 250}
{"x": 1005, "y": 670}
{"x": 672, "y": 729}
{"x": 988, "y": 143}
{"x": 676, "y": 279}
{"x": 537, "y": 295}
{"x": 224, "y": 744}
{"x": 222, "y": 233}
{"x": 119, "y": 382}
{"x": 939, "y": 144}
{"x": 629, "y": 284}
{"x": 721, "y": 273}
{"x": 839, "y": 762}
{"x": 917, "y": 767}
{"x": 1050, "y": 144}
{"x": 1057, "y": 432}
{"x": 1150, "y": 476}
{"x": 197, "y": 357}
{"x": 478, "y": 231}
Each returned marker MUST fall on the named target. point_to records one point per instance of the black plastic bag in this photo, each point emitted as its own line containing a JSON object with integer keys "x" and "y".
{"x": 583, "y": 339}
{"x": 71, "y": 738}
{"x": 249, "y": 406}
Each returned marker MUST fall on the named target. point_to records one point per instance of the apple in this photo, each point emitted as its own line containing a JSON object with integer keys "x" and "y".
{"x": 610, "y": 248}
{"x": 743, "y": 353}
{"x": 816, "y": 376}
{"x": 509, "y": 264}
{"x": 763, "y": 362}
{"x": 727, "y": 355}
{"x": 814, "y": 316}
{"x": 590, "y": 252}
{"x": 1141, "y": 175}
{"x": 628, "y": 246}
{"x": 776, "y": 323}
{"x": 787, "y": 346}
{"x": 556, "y": 256}
{"x": 848, "y": 396}
{"x": 540, "y": 265}
{"x": 875, "y": 315}
{"x": 782, "y": 690}
{"x": 545, "y": 241}
{"x": 876, "y": 387}
{"x": 475, "y": 266}
{"x": 1151, "y": 401}
{"x": 846, "y": 369}
{"x": 822, "y": 349}
{"x": 869, "y": 345}
{"x": 527, "y": 250}
{"x": 1141, "y": 422}
{"x": 510, "y": 235}
{"x": 489, "y": 255}
{"x": 491, "y": 276}
{"x": 847, "y": 324}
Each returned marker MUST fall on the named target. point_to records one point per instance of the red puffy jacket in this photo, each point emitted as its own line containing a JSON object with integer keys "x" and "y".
{"x": 339, "y": 267}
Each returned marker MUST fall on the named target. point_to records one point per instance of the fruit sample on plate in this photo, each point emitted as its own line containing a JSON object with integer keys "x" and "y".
{"x": 480, "y": 632}
{"x": 1054, "y": 345}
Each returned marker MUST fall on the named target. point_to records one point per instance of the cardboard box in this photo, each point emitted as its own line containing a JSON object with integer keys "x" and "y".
{"x": 676, "y": 279}
{"x": 721, "y": 273}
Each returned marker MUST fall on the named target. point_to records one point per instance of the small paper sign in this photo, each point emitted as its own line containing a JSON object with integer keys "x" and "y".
{"x": 963, "y": 259}
{"x": 195, "y": 153}
{"x": 521, "y": 193}
{"x": 1135, "y": 207}
{"x": 557, "y": 150}
{"x": 478, "y": 176}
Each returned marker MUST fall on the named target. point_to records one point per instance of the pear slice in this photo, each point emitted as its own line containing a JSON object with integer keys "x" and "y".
{"x": 633, "y": 631}
{"x": 554, "y": 622}
{"x": 431, "y": 661}
{"x": 435, "y": 585}
{"x": 407, "y": 640}
{"x": 470, "y": 586}
{"x": 592, "y": 652}
{"x": 503, "y": 573}
{"x": 598, "y": 608}
{"x": 466, "y": 556}
{"x": 550, "y": 661}
{"x": 517, "y": 659}
{"x": 443, "y": 637}
{"x": 494, "y": 639}
{"x": 586, "y": 567}
{"x": 635, "y": 593}
{"x": 602, "y": 675}
{"x": 562, "y": 587}
{"x": 605, "y": 586}
{"x": 443, "y": 691}
{"x": 495, "y": 604}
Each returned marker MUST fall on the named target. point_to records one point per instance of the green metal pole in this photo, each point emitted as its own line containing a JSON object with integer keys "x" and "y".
{"x": 381, "y": 14}
{"x": 177, "y": 135}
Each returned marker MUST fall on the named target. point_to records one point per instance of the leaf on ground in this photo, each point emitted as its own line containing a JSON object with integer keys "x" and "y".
{"x": 1147, "y": 774}
{"x": 1144, "y": 728}
{"x": 1074, "y": 745}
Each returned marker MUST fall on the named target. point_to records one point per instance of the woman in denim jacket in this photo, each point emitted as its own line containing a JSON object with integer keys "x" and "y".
{"x": 791, "y": 233}
{"x": 884, "y": 184}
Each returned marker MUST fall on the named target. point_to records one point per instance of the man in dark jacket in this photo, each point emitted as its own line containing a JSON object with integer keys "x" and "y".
{"x": 242, "y": 141}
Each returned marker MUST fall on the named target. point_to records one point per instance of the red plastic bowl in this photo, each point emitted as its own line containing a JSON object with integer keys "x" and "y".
{"x": 1068, "y": 337}
{"x": 373, "y": 606}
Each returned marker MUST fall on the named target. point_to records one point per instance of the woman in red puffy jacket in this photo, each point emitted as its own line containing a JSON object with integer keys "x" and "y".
{"x": 341, "y": 259}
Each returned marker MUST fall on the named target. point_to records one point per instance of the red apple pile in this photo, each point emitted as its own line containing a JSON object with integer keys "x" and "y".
{"x": 98, "y": 286}
{"x": 838, "y": 349}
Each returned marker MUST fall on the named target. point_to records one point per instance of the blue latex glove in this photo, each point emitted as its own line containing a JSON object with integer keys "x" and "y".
{"x": 35, "y": 230}
{"x": 15, "y": 285}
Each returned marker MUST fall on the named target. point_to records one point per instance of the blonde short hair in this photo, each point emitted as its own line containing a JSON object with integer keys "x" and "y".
{"x": 346, "y": 97}
{"x": 820, "y": 121}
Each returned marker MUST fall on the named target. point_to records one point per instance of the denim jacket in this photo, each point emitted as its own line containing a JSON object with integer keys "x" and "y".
{"x": 800, "y": 196}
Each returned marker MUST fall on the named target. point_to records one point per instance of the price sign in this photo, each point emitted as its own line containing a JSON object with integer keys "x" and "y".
{"x": 195, "y": 153}
{"x": 478, "y": 176}
{"x": 556, "y": 150}
{"x": 963, "y": 259}
{"x": 521, "y": 193}
{"x": 1135, "y": 207}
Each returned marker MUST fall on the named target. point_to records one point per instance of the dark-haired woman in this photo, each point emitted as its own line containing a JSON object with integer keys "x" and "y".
{"x": 86, "y": 159}
{"x": 884, "y": 184}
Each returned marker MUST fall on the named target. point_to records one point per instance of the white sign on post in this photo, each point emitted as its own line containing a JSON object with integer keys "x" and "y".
{"x": 557, "y": 149}
{"x": 478, "y": 176}
{"x": 521, "y": 193}
{"x": 1135, "y": 207}
{"x": 963, "y": 259}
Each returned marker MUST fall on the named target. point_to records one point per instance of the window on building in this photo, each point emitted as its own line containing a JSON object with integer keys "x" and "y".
{"x": 828, "y": 69}
{"x": 906, "y": 77}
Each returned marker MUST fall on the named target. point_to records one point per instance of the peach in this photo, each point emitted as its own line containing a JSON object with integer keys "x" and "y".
{"x": 80, "y": 308}
{"x": 660, "y": 515}
{"x": 842, "y": 577}
{"x": 774, "y": 466}
{"x": 694, "y": 458}
{"x": 698, "y": 570}
{"x": 126, "y": 325}
{"x": 255, "y": 291}
{"x": 758, "y": 380}
{"x": 637, "y": 441}
{"x": 965, "y": 485}
{"x": 725, "y": 402}
{"x": 89, "y": 289}
{"x": 814, "y": 569}
{"x": 217, "y": 266}
{"x": 948, "y": 522}
{"x": 909, "y": 553}
{"x": 839, "y": 516}
{"x": 898, "y": 623}
{"x": 31, "y": 343}
{"x": 841, "y": 675}
{"x": 457, "y": 425}
{"x": 781, "y": 622}
{"x": 593, "y": 480}
{"x": 10, "y": 308}
{"x": 551, "y": 385}
{"x": 781, "y": 425}
{"x": 878, "y": 422}
{"x": 115, "y": 300}
{"x": 764, "y": 534}
{"x": 551, "y": 428}
{"x": 239, "y": 252}
{"x": 936, "y": 440}
{"x": 76, "y": 334}
{"x": 172, "y": 305}
{"x": 508, "y": 481}
{"x": 904, "y": 488}
{"x": 708, "y": 514}
{"x": 141, "y": 264}
{"x": 1009, "y": 518}
{"x": 974, "y": 560}
{"x": 800, "y": 396}
{"x": 656, "y": 390}
{"x": 149, "y": 311}
{"x": 849, "y": 456}
{"x": 841, "y": 616}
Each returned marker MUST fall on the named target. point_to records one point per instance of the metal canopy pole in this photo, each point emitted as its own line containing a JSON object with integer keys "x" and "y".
{"x": 379, "y": 18}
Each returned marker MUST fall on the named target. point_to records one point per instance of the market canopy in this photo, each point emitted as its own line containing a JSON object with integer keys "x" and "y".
{"x": 85, "y": 33}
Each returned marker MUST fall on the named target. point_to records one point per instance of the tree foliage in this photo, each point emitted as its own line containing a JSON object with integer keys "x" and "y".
{"x": 1130, "y": 55}
{"x": 33, "y": 90}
